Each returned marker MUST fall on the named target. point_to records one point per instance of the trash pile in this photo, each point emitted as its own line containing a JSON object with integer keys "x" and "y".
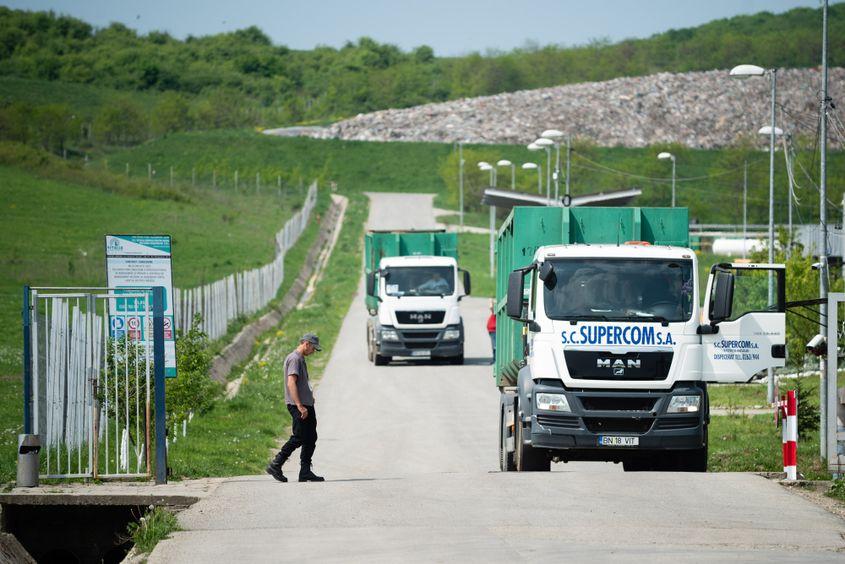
{"x": 697, "y": 109}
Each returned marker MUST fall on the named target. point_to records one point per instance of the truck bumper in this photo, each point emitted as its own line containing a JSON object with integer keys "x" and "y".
{"x": 643, "y": 415}
{"x": 422, "y": 343}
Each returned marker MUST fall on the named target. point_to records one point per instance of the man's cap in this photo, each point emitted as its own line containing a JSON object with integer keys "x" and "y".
{"x": 311, "y": 338}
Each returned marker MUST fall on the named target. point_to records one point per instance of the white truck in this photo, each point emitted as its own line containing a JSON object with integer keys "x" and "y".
{"x": 414, "y": 289}
{"x": 605, "y": 354}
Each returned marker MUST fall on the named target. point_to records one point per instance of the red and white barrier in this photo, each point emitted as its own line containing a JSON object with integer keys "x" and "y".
{"x": 789, "y": 408}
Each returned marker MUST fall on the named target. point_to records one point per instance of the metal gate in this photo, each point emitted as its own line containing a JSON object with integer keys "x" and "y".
{"x": 90, "y": 372}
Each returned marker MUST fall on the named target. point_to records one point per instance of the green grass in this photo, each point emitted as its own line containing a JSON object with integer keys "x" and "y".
{"x": 752, "y": 444}
{"x": 237, "y": 437}
{"x": 155, "y": 526}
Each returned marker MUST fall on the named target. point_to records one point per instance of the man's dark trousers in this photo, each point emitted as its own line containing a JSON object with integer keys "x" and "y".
{"x": 304, "y": 435}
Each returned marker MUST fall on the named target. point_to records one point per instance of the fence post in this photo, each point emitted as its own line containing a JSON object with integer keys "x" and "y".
{"x": 149, "y": 171}
{"x": 27, "y": 363}
{"x": 158, "y": 359}
{"x": 127, "y": 170}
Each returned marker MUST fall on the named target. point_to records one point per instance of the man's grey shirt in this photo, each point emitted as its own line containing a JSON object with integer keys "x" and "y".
{"x": 295, "y": 364}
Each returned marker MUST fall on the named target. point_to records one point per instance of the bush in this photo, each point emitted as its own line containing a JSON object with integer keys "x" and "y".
{"x": 192, "y": 389}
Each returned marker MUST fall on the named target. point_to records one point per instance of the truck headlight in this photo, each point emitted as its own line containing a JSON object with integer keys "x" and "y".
{"x": 684, "y": 404}
{"x": 451, "y": 334}
{"x": 389, "y": 335}
{"x": 552, "y": 402}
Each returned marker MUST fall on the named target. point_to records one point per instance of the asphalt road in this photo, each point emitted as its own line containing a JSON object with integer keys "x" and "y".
{"x": 409, "y": 452}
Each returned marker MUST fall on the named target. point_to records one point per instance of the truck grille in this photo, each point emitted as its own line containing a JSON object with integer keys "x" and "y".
{"x": 419, "y": 335}
{"x": 420, "y": 317}
{"x": 617, "y": 425}
{"x": 602, "y": 403}
{"x": 603, "y": 365}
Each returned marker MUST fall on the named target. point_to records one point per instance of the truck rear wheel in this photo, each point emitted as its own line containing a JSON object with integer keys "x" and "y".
{"x": 526, "y": 457}
{"x": 370, "y": 345}
{"x": 506, "y": 463}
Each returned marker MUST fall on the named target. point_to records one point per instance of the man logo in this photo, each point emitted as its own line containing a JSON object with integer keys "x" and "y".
{"x": 619, "y": 365}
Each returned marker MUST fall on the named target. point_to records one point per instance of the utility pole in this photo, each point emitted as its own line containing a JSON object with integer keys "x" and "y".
{"x": 823, "y": 285}
{"x": 568, "y": 197}
{"x": 771, "y": 298}
{"x": 744, "y": 208}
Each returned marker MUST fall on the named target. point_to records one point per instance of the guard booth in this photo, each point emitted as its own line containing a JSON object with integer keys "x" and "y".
{"x": 94, "y": 382}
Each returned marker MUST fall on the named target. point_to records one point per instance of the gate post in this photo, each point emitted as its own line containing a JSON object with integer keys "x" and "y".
{"x": 158, "y": 359}
{"x": 27, "y": 362}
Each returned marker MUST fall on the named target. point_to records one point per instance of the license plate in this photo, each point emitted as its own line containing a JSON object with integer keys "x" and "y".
{"x": 425, "y": 354}
{"x": 610, "y": 440}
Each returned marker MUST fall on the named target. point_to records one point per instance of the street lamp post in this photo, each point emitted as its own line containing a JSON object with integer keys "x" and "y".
{"x": 547, "y": 144}
{"x": 745, "y": 71}
{"x": 487, "y": 166}
{"x": 664, "y": 156}
{"x": 505, "y": 162}
{"x": 532, "y": 166}
{"x": 461, "y": 181}
{"x": 554, "y": 136}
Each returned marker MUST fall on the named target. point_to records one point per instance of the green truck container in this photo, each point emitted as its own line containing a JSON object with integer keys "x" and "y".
{"x": 381, "y": 244}
{"x": 527, "y": 228}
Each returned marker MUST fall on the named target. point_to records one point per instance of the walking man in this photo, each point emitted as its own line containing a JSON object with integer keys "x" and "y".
{"x": 300, "y": 402}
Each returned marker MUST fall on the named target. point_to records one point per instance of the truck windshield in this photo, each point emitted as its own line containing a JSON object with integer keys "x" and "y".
{"x": 620, "y": 290}
{"x": 419, "y": 281}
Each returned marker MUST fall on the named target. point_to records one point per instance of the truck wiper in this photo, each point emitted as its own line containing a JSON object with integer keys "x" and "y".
{"x": 651, "y": 317}
{"x": 575, "y": 320}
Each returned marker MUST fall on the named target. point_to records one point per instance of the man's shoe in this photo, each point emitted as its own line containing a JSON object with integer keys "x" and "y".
{"x": 306, "y": 475}
{"x": 277, "y": 473}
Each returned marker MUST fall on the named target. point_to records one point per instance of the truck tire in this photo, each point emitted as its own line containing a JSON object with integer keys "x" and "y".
{"x": 506, "y": 463}
{"x": 370, "y": 345}
{"x": 381, "y": 360}
{"x": 527, "y": 458}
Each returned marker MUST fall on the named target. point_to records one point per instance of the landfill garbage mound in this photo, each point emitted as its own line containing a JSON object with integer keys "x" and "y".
{"x": 698, "y": 109}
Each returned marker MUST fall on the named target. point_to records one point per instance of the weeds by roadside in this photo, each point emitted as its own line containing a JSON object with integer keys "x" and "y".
{"x": 155, "y": 526}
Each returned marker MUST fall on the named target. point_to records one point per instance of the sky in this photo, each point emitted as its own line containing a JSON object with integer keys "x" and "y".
{"x": 450, "y": 27}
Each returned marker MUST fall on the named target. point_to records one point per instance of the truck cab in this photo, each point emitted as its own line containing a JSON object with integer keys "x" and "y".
{"x": 617, "y": 353}
{"x": 418, "y": 309}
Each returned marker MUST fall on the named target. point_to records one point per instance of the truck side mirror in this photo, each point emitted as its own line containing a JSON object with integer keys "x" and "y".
{"x": 371, "y": 283}
{"x": 515, "y": 292}
{"x": 467, "y": 282}
{"x": 547, "y": 275}
{"x": 721, "y": 303}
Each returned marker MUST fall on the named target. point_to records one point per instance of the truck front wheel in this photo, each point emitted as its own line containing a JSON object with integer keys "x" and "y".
{"x": 381, "y": 360}
{"x": 506, "y": 463}
{"x": 526, "y": 457}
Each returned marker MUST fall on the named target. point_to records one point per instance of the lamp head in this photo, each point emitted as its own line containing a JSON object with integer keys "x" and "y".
{"x": 543, "y": 142}
{"x": 504, "y": 162}
{"x": 482, "y": 164}
{"x": 529, "y": 166}
{"x": 664, "y": 155}
{"x": 767, "y": 130}
{"x": 744, "y": 71}
{"x": 552, "y": 134}
{"x": 533, "y": 147}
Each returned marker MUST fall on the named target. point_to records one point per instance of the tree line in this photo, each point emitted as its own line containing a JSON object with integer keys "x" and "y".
{"x": 242, "y": 78}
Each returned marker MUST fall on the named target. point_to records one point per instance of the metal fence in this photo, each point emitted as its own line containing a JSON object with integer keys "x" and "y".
{"x": 90, "y": 371}
{"x": 242, "y": 293}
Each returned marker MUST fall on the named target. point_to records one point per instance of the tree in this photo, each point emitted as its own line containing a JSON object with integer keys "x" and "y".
{"x": 171, "y": 114}
{"x": 121, "y": 122}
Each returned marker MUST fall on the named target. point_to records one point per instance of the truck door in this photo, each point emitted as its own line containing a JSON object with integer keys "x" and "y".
{"x": 743, "y": 329}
